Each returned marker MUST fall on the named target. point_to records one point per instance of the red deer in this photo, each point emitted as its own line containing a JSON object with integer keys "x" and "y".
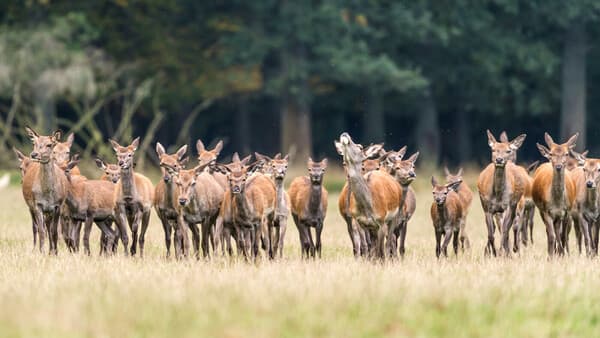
{"x": 134, "y": 194}
{"x": 199, "y": 197}
{"x": 45, "y": 188}
{"x": 209, "y": 157}
{"x": 576, "y": 160}
{"x": 446, "y": 214}
{"x": 501, "y": 186}
{"x": 165, "y": 194}
{"x": 112, "y": 172}
{"x": 554, "y": 191}
{"x": 277, "y": 168}
{"x": 466, "y": 197}
{"x": 586, "y": 211}
{"x": 309, "y": 206}
{"x": 375, "y": 197}
{"x": 24, "y": 163}
{"x": 62, "y": 154}
{"x": 249, "y": 204}
{"x": 404, "y": 173}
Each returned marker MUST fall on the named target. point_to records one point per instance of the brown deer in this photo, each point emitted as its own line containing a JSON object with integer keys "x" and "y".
{"x": 277, "y": 169}
{"x": 404, "y": 173}
{"x": 375, "y": 197}
{"x": 554, "y": 191}
{"x": 466, "y": 198}
{"x": 309, "y": 206}
{"x": 500, "y": 188}
{"x": 249, "y": 204}
{"x": 90, "y": 201}
{"x": 112, "y": 172}
{"x": 165, "y": 194}
{"x": 133, "y": 196}
{"x": 209, "y": 157}
{"x": 24, "y": 163}
{"x": 576, "y": 160}
{"x": 62, "y": 154}
{"x": 446, "y": 214}
{"x": 586, "y": 211}
{"x": 199, "y": 197}
{"x": 45, "y": 188}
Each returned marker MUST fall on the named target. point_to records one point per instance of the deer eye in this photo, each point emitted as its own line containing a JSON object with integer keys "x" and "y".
{"x": 48, "y": 145}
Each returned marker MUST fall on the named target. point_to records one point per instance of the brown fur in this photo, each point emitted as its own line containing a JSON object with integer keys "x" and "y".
{"x": 446, "y": 215}
{"x": 466, "y": 198}
{"x": 586, "y": 211}
{"x": 209, "y": 157}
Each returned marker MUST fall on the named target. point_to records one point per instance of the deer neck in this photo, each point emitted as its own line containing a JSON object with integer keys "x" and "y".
{"x": 558, "y": 186}
{"x": 244, "y": 210}
{"x": 170, "y": 191}
{"x": 442, "y": 212}
{"x": 499, "y": 181}
{"x": 48, "y": 178}
{"x": 360, "y": 189}
{"x": 591, "y": 198}
{"x": 128, "y": 183}
{"x": 280, "y": 195}
{"x": 314, "y": 200}
{"x": 404, "y": 188}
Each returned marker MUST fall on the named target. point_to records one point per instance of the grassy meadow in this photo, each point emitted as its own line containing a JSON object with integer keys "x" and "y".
{"x": 469, "y": 295}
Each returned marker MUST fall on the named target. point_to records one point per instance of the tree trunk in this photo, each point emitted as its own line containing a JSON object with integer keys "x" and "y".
{"x": 427, "y": 133}
{"x": 463, "y": 129}
{"x": 374, "y": 119}
{"x": 573, "y": 110}
{"x": 242, "y": 125}
{"x": 296, "y": 134}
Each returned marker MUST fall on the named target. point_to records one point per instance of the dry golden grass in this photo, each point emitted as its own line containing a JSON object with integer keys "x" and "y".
{"x": 468, "y": 295}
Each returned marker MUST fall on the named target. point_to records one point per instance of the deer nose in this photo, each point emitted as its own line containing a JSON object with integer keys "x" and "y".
{"x": 499, "y": 160}
{"x": 589, "y": 184}
{"x": 121, "y": 163}
{"x": 412, "y": 174}
{"x": 235, "y": 189}
{"x": 558, "y": 167}
{"x": 34, "y": 154}
{"x": 182, "y": 201}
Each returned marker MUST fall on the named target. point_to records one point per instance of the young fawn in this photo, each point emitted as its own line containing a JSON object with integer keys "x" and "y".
{"x": 374, "y": 198}
{"x": 501, "y": 187}
{"x": 309, "y": 206}
{"x": 45, "y": 188}
{"x": 466, "y": 197}
{"x": 446, "y": 214}
{"x": 404, "y": 173}
{"x": 277, "y": 169}
{"x": 165, "y": 194}
{"x": 554, "y": 192}
{"x": 133, "y": 196}
{"x": 249, "y": 205}
{"x": 111, "y": 172}
{"x": 209, "y": 157}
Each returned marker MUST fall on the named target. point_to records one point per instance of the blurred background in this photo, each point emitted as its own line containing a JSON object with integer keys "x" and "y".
{"x": 274, "y": 76}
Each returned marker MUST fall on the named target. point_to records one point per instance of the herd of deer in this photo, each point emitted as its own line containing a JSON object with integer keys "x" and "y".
{"x": 247, "y": 202}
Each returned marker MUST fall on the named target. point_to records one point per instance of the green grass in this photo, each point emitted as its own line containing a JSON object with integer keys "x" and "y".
{"x": 338, "y": 296}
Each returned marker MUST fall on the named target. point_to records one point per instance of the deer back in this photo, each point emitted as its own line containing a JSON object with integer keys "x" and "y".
{"x": 100, "y": 196}
{"x": 386, "y": 195}
{"x": 209, "y": 192}
{"x": 261, "y": 193}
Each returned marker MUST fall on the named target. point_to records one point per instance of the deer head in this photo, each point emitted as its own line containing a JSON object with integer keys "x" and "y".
{"x": 353, "y": 154}
{"x": 43, "y": 146}
{"x": 440, "y": 192}
{"x": 557, "y": 154}
{"x": 62, "y": 151}
{"x": 125, "y": 154}
{"x": 591, "y": 170}
{"x": 70, "y": 165}
{"x": 502, "y": 152}
{"x": 170, "y": 163}
{"x": 316, "y": 171}
{"x": 206, "y": 156}
{"x": 238, "y": 173}
{"x": 458, "y": 177}
{"x": 404, "y": 170}
{"x": 112, "y": 171}
{"x": 185, "y": 180}
{"x": 24, "y": 161}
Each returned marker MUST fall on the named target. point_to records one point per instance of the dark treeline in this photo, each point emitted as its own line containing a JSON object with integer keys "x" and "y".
{"x": 273, "y": 75}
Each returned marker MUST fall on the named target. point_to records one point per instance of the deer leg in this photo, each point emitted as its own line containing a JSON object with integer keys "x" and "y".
{"x": 491, "y": 245}
{"x": 41, "y": 227}
{"x": 455, "y": 241}
{"x": 594, "y": 236}
{"x": 381, "y": 236}
{"x": 145, "y": 222}
{"x": 391, "y": 245}
{"x": 135, "y": 225}
{"x": 108, "y": 236}
{"x": 447, "y": 237}
{"x": 530, "y": 223}
{"x": 318, "y": 231}
{"x": 509, "y": 217}
{"x": 86, "y": 234}
{"x": 121, "y": 220}
{"x": 516, "y": 232}
{"x": 465, "y": 244}
{"x": 196, "y": 238}
{"x": 167, "y": 230}
{"x": 560, "y": 229}
{"x": 207, "y": 228}
{"x": 438, "y": 239}
{"x": 34, "y": 228}
{"x": 585, "y": 228}
{"x": 54, "y": 227}
{"x": 577, "y": 220}
{"x": 403, "y": 230}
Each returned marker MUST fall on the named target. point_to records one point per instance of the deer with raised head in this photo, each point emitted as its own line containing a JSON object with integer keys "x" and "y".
{"x": 209, "y": 158}
{"x": 375, "y": 197}
{"x": 133, "y": 196}
{"x": 249, "y": 204}
{"x": 277, "y": 169}
{"x": 446, "y": 214}
{"x": 45, "y": 188}
{"x": 466, "y": 197}
{"x": 586, "y": 210}
{"x": 501, "y": 186}
{"x": 90, "y": 201}
{"x": 165, "y": 194}
{"x": 404, "y": 173}
{"x": 199, "y": 197}
{"x": 554, "y": 191}
{"x": 309, "y": 206}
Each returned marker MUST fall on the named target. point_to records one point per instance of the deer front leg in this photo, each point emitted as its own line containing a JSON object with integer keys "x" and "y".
{"x": 145, "y": 223}
{"x": 108, "y": 236}
{"x": 206, "y": 234}
{"x": 121, "y": 221}
{"x": 549, "y": 223}
{"x": 509, "y": 217}
{"x": 34, "y": 228}
{"x": 455, "y": 241}
{"x": 54, "y": 229}
{"x": 167, "y": 228}
{"x": 447, "y": 237}
{"x": 318, "y": 230}
{"x": 135, "y": 224}
{"x": 86, "y": 234}
{"x": 595, "y": 227}
{"x": 41, "y": 227}
{"x": 402, "y": 236}
{"x": 196, "y": 239}
{"x": 438, "y": 239}
{"x": 491, "y": 245}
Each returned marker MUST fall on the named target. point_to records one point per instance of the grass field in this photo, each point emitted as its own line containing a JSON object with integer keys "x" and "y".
{"x": 338, "y": 296}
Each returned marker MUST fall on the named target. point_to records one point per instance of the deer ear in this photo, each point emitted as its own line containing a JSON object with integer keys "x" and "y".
{"x": 543, "y": 150}
{"x": 533, "y": 166}
{"x": 57, "y": 135}
{"x": 324, "y": 163}
{"x": 100, "y": 164}
{"x": 160, "y": 150}
{"x": 70, "y": 139}
{"x": 286, "y": 157}
{"x": 518, "y": 141}
{"x": 372, "y": 150}
{"x": 413, "y": 157}
{"x": 446, "y": 171}
{"x": 20, "y": 155}
{"x": 454, "y": 185}
{"x": 200, "y": 146}
{"x": 460, "y": 172}
{"x": 548, "y": 139}
{"x": 181, "y": 152}
{"x": 503, "y": 136}
{"x": 218, "y": 147}
{"x": 434, "y": 182}
{"x": 246, "y": 159}
{"x": 261, "y": 157}
{"x": 400, "y": 153}
{"x": 135, "y": 143}
{"x": 223, "y": 169}
{"x": 199, "y": 169}
{"x": 491, "y": 138}
{"x": 338, "y": 147}
{"x": 115, "y": 145}
{"x": 579, "y": 157}
{"x": 184, "y": 162}
{"x": 253, "y": 167}
{"x": 235, "y": 157}
{"x": 571, "y": 142}
{"x": 31, "y": 133}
